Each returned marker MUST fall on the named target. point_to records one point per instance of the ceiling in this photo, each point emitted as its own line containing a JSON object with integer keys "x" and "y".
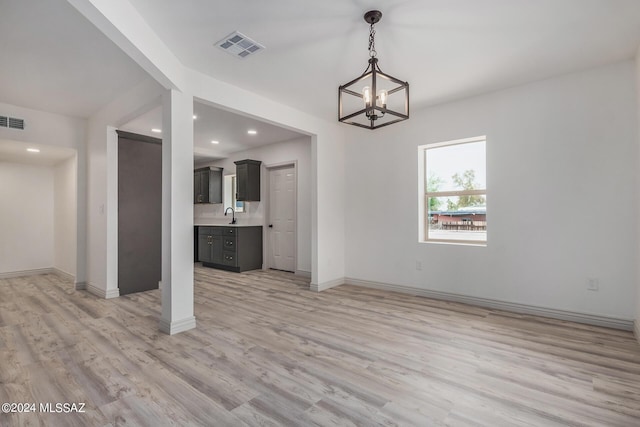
{"x": 55, "y": 60}
{"x": 214, "y": 124}
{"x": 445, "y": 49}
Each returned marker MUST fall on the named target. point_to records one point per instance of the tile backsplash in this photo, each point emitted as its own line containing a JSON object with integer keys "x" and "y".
{"x": 214, "y": 213}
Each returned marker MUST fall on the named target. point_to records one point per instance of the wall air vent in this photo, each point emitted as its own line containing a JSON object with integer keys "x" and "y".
{"x": 239, "y": 45}
{"x": 16, "y": 123}
{"x": 4, "y": 120}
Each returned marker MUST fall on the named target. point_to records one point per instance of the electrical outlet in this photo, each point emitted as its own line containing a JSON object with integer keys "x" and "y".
{"x": 418, "y": 265}
{"x": 593, "y": 284}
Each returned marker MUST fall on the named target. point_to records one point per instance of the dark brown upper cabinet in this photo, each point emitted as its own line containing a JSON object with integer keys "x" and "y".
{"x": 207, "y": 185}
{"x": 248, "y": 180}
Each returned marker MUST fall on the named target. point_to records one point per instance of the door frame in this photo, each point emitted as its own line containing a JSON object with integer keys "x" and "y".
{"x": 265, "y": 234}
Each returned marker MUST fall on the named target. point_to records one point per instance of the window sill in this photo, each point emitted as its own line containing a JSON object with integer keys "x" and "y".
{"x": 456, "y": 242}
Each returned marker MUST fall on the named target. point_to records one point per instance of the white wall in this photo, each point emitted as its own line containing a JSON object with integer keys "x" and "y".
{"x": 26, "y": 217}
{"x": 299, "y": 151}
{"x": 44, "y": 128}
{"x": 64, "y": 216}
{"x": 562, "y": 161}
{"x": 38, "y": 217}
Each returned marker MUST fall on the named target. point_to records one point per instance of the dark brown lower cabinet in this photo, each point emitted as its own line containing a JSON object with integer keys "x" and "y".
{"x": 230, "y": 248}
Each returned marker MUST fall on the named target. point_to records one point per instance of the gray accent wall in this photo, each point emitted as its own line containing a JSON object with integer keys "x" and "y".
{"x": 139, "y": 212}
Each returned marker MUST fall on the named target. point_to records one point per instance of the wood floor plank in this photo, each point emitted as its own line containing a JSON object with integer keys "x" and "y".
{"x": 269, "y": 352}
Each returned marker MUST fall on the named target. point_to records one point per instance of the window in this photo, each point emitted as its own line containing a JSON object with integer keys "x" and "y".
{"x": 454, "y": 191}
{"x": 230, "y": 194}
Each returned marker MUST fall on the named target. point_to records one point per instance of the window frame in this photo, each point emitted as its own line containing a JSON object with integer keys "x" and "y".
{"x": 229, "y": 194}
{"x": 234, "y": 193}
{"x": 449, "y": 193}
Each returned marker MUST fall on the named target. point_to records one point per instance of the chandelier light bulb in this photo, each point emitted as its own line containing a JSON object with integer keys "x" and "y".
{"x": 366, "y": 96}
{"x": 382, "y": 98}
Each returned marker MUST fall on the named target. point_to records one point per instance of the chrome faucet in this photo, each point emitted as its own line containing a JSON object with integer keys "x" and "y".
{"x": 233, "y": 213}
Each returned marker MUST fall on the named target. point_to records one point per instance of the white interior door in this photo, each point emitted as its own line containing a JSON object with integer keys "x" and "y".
{"x": 282, "y": 218}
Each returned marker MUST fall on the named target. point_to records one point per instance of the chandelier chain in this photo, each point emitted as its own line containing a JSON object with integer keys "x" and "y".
{"x": 372, "y": 42}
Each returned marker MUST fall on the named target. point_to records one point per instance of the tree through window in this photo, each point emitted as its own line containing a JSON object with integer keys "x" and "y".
{"x": 455, "y": 191}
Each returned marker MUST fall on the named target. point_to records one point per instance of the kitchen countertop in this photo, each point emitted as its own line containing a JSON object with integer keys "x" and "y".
{"x": 223, "y": 224}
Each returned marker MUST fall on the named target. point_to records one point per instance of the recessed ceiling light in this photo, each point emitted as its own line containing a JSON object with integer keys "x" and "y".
{"x": 156, "y": 130}
{"x": 252, "y": 132}
{"x": 33, "y": 150}
{"x": 195, "y": 117}
{"x": 215, "y": 142}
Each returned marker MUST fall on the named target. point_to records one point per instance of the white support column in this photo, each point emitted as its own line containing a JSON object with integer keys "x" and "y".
{"x": 177, "y": 213}
{"x": 111, "y": 210}
{"x": 81, "y": 217}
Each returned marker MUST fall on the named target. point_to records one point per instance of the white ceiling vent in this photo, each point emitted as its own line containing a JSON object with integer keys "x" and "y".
{"x": 16, "y": 123}
{"x": 4, "y": 120}
{"x": 239, "y": 45}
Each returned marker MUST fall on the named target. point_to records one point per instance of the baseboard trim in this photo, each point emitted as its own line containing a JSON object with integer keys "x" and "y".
{"x": 175, "y": 327}
{"x": 64, "y": 275}
{"x": 102, "y": 293}
{"x": 589, "y": 319}
{"x": 303, "y": 273}
{"x": 81, "y": 286}
{"x": 636, "y": 330}
{"x": 112, "y": 293}
{"x": 319, "y": 287}
{"x": 34, "y": 272}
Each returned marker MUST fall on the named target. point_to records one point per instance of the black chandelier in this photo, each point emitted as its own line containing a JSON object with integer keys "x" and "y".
{"x": 385, "y": 98}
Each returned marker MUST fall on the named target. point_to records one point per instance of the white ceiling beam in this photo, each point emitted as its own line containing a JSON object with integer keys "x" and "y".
{"x": 123, "y": 25}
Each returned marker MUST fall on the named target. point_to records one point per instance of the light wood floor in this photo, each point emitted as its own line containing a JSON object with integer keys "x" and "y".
{"x": 269, "y": 352}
